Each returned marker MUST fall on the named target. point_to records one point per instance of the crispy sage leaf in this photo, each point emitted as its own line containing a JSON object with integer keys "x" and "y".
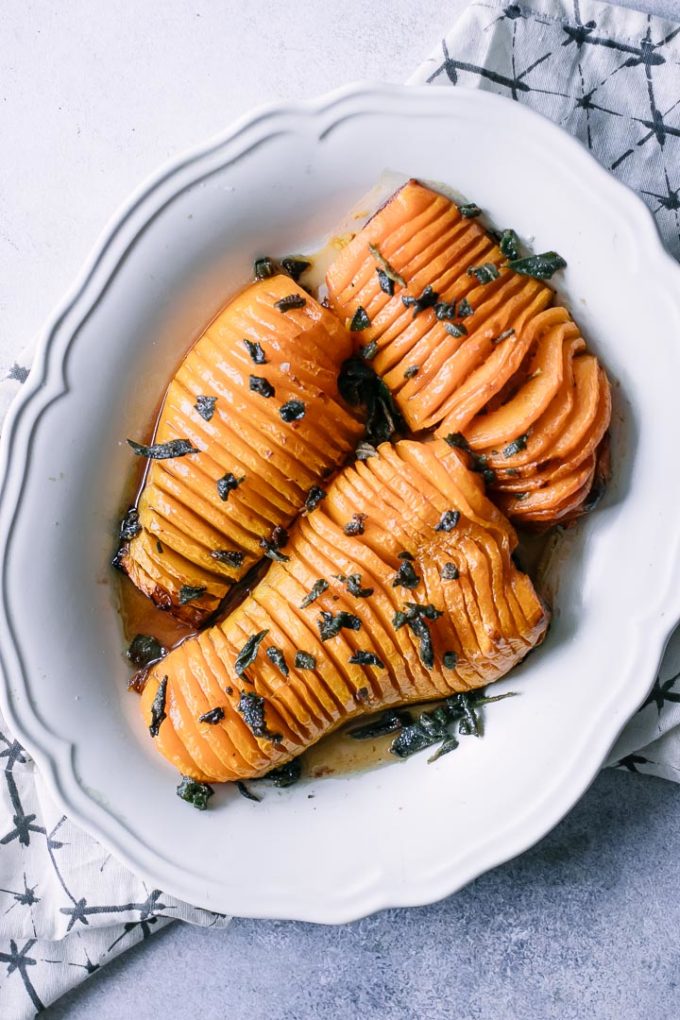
{"x": 314, "y": 497}
{"x": 227, "y": 483}
{"x": 291, "y": 301}
{"x": 384, "y": 265}
{"x": 360, "y": 321}
{"x": 364, "y": 658}
{"x": 264, "y": 268}
{"x": 189, "y": 593}
{"x": 229, "y": 556}
{"x": 212, "y": 717}
{"x": 516, "y": 446}
{"x": 292, "y": 410}
{"x": 248, "y": 653}
{"x": 245, "y": 792}
{"x": 448, "y": 520}
{"x": 540, "y": 267}
{"x": 278, "y": 659}
{"x": 389, "y": 721}
{"x": 258, "y": 384}
{"x": 469, "y": 210}
{"x": 406, "y": 576}
{"x": 356, "y": 526}
{"x": 158, "y": 708}
{"x": 163, "y": 451}
{"x": 295, "y": 267}
{"x": 484, "y": 273}
{"x": 194, "y": 792}
{"x": 145, "y": 649}
{"x": 251, "y": 707}
{"x": 318, "y": 588}
{"x": 285, "y": 775}
{"x": 303, "y": 660}
{"x": 509, "y": 244}
{"x": 205, "y": 407}
{"x": 130, "y": 526}
{"x": 330, "y": 625}
{"x": 255, "y": 351}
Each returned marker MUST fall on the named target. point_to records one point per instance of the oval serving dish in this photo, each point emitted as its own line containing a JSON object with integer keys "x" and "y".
{"x": 334, "y": 849}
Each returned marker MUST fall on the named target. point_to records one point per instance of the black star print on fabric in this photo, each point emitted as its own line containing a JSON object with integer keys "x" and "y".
{"x": 661, "y": 693}
{"x": 631, "y": 761}
{"x": 587, "y": 78}
{"x": 18, "y": 962}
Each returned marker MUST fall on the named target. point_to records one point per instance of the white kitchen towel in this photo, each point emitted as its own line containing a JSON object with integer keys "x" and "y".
{"x": 612, "y": 78}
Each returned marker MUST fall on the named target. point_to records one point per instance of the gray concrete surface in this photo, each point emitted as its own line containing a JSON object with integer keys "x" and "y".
{"x": 585, "y": 925}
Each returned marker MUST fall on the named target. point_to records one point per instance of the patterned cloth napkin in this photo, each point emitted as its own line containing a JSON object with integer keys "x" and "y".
{"x": 606, "y": 75}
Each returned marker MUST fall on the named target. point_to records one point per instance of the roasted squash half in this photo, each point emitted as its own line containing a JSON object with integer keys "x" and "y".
{"x": 399, "y": 587}
{"x": 257, "y": 402}
{"x": 471, "y": 348}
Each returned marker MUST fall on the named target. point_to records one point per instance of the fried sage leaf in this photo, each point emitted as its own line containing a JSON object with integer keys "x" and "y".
{"x": 356, "y": 526}
{"x": 189, "y": 593}
{"x": 318, "y": 588}
{"x": 364, "y": 658}
{"x": 484, "y": 273}
{"x": 469, "y": 210}
{"x": 295, "y": 266}
{"x": 251, "y": 707}
{"x": 315, "y": 495}
{"x": 248, "y": 653}
{"x": 285, "y": 775}
{"x": 509, "y": 244}
{"x": 386, "y": 268}
{"x": 258, "y": 384}
{"x": 158, "y": 708}
{"x": 330, "y": 624}
{"x": 304, "y": 660}
{"x": 145, "y": 649}
{"x": 263, "y": 268}
{"x": 278, "y": 659}
{"x": 245, "y": 792}
{"x": 360, "y": 386}
{"x": 291, "y": 301}
{"x": 229, "y": 556}
{"x": 256, "y": 351}
{"x": 292, "y": 410}
{"x": 360, "y": 321}
{"x": 227, "y": 483}
{"x": 406, "y": 576}
{"x": 448, "y": 520}
{"x": 540, "y": 267}
{"x": 194, "y": 792}
{"x": 205, "y": 407}
{"x": 516, "y": 446}
{"x": 163, "y": 451}
{"x": 130, "y": 526}
{"x": 212, "y": 717}
{"x": 389, "y": 721}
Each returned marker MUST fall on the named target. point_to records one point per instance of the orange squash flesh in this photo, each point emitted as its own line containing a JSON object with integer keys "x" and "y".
{"x": 491, "y": 617}
{"x": 518, "y": 384}
{"x": 183, "y": 517}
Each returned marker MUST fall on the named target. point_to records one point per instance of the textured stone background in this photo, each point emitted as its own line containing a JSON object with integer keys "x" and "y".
{"x": 93, "y": 96}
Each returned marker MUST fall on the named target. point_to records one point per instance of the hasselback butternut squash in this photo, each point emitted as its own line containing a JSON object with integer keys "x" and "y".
{"x": 469, "y": 347}
{"x": 399, "y": 587}
{"x": 256, "y": 401}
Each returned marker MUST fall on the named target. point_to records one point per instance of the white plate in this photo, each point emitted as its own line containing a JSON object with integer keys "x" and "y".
{"x": 413, "y": 832}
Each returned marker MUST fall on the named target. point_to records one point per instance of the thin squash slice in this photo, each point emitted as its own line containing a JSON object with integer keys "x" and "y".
{"x": 473, "y": 349}
{"x": 398, "y": 587}
{"x": 256, "y": 401}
